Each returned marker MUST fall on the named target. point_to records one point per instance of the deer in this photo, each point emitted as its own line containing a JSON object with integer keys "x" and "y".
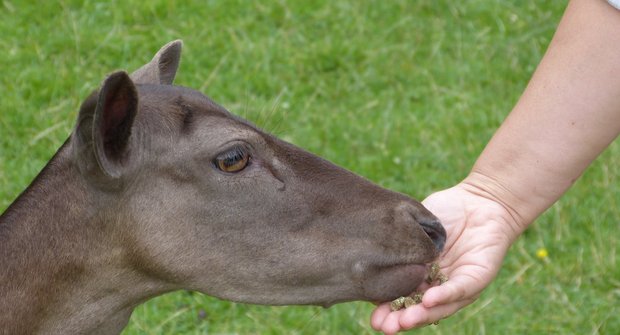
{"x": 158, "y": 188}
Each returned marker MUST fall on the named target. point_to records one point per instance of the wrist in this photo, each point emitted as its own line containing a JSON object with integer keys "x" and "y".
{"x": 516, "y": 212}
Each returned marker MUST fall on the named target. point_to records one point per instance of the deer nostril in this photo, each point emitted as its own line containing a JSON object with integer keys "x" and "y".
{"x": 427, "y": 221}
{"x": 435, "y": 231}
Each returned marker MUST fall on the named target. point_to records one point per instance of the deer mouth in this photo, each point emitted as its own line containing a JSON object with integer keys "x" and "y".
{"x": 386, "y": 283}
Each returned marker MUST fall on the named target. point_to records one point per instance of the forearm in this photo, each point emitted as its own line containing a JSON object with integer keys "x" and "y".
{"x": 567, "y": 116}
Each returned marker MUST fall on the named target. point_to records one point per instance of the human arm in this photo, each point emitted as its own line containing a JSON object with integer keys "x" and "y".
{"x": 567, "y": 115}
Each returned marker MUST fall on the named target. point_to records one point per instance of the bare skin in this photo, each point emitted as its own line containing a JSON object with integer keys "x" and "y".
{"x": 568, "y": 114}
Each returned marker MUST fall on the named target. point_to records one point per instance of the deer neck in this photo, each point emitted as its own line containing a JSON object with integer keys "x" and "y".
{"x": 62, "y": 264}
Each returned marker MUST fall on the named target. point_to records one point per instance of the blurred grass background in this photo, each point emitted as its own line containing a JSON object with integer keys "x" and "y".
{"x": 405, "y": 93}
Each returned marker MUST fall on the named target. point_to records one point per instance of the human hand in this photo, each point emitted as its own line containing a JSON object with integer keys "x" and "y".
{"x": 479, "y": 232}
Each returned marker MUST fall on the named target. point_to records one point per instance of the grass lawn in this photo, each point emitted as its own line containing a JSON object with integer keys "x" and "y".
{"x": 405, "y": 93}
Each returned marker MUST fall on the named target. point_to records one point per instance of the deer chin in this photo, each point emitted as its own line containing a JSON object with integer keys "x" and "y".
{"x": 386, "y": 283}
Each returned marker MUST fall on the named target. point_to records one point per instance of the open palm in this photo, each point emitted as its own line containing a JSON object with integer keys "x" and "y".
{"x": 479, "y": 232}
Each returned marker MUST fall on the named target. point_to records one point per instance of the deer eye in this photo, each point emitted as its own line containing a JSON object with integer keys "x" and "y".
{"x": 233, "y": 160}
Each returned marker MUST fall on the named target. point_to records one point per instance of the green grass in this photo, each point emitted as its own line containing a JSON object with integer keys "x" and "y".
{"x": 406, "y": 93}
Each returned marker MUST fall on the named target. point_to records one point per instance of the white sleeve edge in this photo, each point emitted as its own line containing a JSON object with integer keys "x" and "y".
{"x": 615, "y": 3}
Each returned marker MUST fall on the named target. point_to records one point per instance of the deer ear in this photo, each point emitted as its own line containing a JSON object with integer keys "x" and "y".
{"x": 104, "y": 127}
{"x": 162, "y": 69}
{"x": 115, "y": 112}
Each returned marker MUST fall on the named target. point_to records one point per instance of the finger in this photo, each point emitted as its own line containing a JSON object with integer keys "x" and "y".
{"x": 420, "y": 316}
{"x": 443, "y": 294}
{"x": 391, "y": 323}
{"x": 378, "y": 316}
{"x": 460, "y": 287}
